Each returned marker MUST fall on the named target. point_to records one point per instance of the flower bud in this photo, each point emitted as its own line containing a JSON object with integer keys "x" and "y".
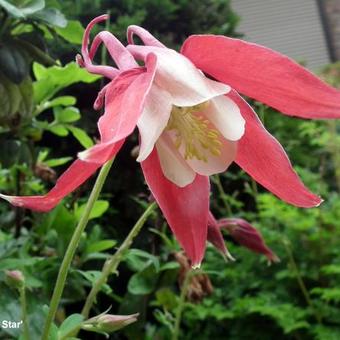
{"x": 15, "y": 278}
{"x": 109, "y": 323}
{"x": 248, "y": 236}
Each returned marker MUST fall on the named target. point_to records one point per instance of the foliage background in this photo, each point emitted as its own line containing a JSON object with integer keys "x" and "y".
{"x": 44, "y": 113}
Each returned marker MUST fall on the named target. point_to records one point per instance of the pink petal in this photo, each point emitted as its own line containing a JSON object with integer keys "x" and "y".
{"x": 124, "y": 103}
{"x": 264, "y": 75}
{"x": 263, "y": 158}
{"x": 186, "y": 209}
{"x": 144, "y": 35}
{"x": 177, "y": 75}
{"x": 122, "y": 57}
{"x": 86, "y": 61}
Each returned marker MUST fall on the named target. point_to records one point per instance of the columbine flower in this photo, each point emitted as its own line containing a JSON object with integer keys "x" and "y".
{"x": 191, "y": 125}
{"x": 242, "y": 232}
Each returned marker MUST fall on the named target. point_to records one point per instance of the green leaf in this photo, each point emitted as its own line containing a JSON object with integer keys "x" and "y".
{"x": 52, "y": 79}
{"x": 11, "y": 9}
{"x": 73, "y": 32}
{"x": 13, "y": 63}
{"x": 32, "y": 6}
{"x": 28, "y": 8}
{"x": 92, "y": 276}
{"x": 62, "y": 101}
{"x": 143, "y": 282}
{"x": 98, "y": 209}
{"x": 167, "y": 298}
{"x": 327, "y": 294}
{"x": 35, "y": 53}
{"x": 14, "y": 263}
{"x": 58, "y": 130}
{"x": 53, "y": 335}
{"x": 82, "y": 137}
{"x": 70, "y": 323}
{"x": 57, "y": 161}
{"x": 169, "y": 266}
{"x": 66, "y": 115}
{"x": 100, "y": 246}
{"x": 331, "y": 269}
{"x": 51, "y": 16}
{"x": 137, "y": 259}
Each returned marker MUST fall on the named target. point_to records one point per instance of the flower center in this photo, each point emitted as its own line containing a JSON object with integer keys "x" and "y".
{"x": 194, "y": 133}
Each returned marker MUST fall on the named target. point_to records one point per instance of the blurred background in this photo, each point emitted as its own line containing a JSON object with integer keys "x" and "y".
{"x": 46, "y": 117}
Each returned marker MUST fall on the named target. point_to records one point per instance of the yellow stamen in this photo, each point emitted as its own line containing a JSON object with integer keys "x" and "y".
{"x": 194, "y": 133}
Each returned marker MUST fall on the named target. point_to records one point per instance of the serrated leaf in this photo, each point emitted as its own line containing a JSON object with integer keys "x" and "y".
{"x": 52, "y": 79}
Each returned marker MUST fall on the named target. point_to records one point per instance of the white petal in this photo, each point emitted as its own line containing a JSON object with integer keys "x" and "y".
{"x": 226, "y": 117}
{"x": 174, "y": 166}
{"x": 153, "y": 120}
{"x": 175, "y": 73}
{"x": 215, "y": 164}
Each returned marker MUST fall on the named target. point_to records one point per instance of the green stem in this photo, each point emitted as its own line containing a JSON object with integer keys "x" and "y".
{"x": 23, "y": 302}
{"x": 223, "y": 195}
{"x": 181, "y": 303}
{"x": 301, "y": 283}
{"x": 71, "y": 249}
{"x": 112, "y": 263}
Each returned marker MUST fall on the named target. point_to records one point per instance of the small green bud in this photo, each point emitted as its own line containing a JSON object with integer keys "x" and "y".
{"x": 15, "y": 278}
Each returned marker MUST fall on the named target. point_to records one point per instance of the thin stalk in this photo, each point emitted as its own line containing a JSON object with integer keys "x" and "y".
{"x": 223, "y": 195}
{"x": 300, "y": 281}
{"x": 181, "y": 303}
{"x": 112, "y": 263}
{"x": 71, "y": 249}
{"x": 23, "y": 302}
